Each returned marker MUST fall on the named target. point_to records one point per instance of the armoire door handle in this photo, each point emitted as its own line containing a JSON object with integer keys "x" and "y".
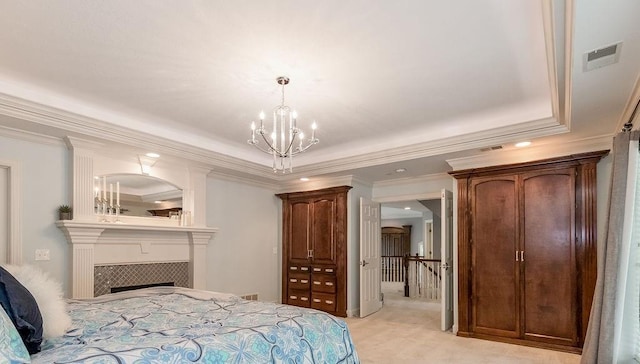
{"x": 522, "y": 255}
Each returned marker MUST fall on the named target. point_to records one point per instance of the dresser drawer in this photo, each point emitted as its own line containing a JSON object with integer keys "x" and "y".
{"x": 323, "y": 301}
{"x": 323, "y": 283}
{"x": 299, "y": 281}
{"x": 323, "y": 270}
{"x": 298, "y": 298}
{"x": 294, "y": 268}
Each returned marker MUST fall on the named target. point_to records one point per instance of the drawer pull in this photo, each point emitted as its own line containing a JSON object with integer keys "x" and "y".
{"x": 328, "y": 283}
{"x": 293, "y": 280}
{"x": 304, "y": 268}
{"x": 317, "y": 283}
{"x": 329, "y": 302}
{"x": 304, "y": 281}
{"x": 304, "y": 299}
{"x": 293, "y": 297}
{"x": 317, "y": 300}
{"x": 317, "y": 269}
{"x": 329, "y": 270}
{"x": 293, "y": 268}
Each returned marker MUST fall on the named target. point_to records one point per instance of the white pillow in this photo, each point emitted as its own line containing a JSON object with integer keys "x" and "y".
{"x": 48, "y": 295}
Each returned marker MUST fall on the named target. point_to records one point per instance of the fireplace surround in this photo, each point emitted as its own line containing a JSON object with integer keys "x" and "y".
{"x": 96, "y": 244}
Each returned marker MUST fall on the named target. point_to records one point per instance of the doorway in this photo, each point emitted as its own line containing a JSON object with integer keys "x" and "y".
{"x": 410, "y": 262}
{"x": 418, "y": 279}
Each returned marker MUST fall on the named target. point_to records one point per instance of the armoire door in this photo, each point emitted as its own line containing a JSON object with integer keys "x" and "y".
{"x": 300, "y": 232}
{"x": 495, "y": 297}
{"x": 323, "y": 239}
{"x": 549, "y": 261}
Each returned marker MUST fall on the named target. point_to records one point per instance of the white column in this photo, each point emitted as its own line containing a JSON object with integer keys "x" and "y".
{"x": 82, "y": 242}
{"x": 198, "y": 259}
{"x": 195, "y": 195}
{"x": 82, "y": 186}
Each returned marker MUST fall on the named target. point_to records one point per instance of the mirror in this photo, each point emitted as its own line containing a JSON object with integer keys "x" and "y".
{"x": 145, "y": 196}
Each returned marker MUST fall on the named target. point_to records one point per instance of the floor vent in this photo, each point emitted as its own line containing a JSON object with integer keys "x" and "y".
{"x": 250, "y": 297}
{"x": 601, "y": 57}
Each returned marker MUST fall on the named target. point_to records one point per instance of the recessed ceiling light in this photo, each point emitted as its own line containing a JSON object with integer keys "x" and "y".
{"x": 153, "y": 155}
{"x": 523, "y": 144}
{"x": 157, "y": 201}
{"x": 304, "y": 179}
{"x": 401, "y": 170}
{"x": 407, "y": 208}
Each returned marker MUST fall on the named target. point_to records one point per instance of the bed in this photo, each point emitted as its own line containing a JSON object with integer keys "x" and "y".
{"x": 159, "y": 325}
{"x": 179, "y": 325}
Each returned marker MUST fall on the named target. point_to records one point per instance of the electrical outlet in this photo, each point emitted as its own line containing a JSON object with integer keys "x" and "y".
{"x": 275, "y": 250}
{"x": 42, "y": 254}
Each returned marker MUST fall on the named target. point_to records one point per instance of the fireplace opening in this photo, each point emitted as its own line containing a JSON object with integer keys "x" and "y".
{"x": 140, "y": 286}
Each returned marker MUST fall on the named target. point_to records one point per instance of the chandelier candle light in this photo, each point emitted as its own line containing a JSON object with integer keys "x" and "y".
{"x": 282, "y": 143}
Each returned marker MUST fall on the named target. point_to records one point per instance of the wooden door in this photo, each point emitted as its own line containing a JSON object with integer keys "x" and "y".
{"x": 548, "y": 260}
{"x": 299, "y": 233}
{"x": 323, "y": 239}
{"x": 495, "y": 298}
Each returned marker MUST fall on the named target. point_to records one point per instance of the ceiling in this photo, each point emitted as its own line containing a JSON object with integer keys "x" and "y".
{"x": 391, "y": 84}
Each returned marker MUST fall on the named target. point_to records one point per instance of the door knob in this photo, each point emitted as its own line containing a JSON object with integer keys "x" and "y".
{"x": 444, "y": 266}
{"x": 363, "y": 263}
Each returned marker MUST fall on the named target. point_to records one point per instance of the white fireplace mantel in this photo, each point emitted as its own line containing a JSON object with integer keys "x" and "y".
{"x": 109, "y": 243}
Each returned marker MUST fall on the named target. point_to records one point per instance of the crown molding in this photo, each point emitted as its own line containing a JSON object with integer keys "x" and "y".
{"x": 30, "y": 136}
{"x": 528, "y": 154}
{"x": 630, "y": 106}
{"x": 528, "y": 130}
{"x": 251, "y": 181}
{"x": 67, "y": 123}
{"x": 89, "y": 128}
{"x": 557, "y": 17}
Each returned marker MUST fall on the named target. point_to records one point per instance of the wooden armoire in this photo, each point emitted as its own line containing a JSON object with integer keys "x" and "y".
{"x": 314, "y": 254}
{"x": 527, "y": 251}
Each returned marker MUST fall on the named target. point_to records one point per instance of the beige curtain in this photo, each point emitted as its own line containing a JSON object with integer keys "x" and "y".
{"x": 599, "y": 342}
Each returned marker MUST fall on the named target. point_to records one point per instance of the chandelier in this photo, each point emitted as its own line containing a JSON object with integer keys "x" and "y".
{"x": 285, "y": 139}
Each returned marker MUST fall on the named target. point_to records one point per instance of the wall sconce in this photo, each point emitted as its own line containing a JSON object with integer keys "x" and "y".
{"x": 147, "y": 161}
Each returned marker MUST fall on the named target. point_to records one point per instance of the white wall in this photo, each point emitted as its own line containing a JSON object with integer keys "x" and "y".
{"x": 45, "y": 177}
{"x": 240, "y": 257}
{"x": 426, "y": 188}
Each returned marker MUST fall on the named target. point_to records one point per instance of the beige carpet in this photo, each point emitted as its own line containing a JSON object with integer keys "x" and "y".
{"x": 408, "y": 331}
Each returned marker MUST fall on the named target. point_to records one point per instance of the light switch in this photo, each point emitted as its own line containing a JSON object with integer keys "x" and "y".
{"x": 275, "y": 250}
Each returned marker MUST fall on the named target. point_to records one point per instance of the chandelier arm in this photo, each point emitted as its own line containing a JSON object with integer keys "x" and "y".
{"x": 290, "y": 148}
{"x": 313, "y": 142}
{"x": 268, "y": 151}
{"x": 271, "y": 148}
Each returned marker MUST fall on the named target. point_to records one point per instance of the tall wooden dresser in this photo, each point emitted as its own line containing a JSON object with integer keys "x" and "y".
{"x": 314, "y": 254}
{"x": 527, "y": 251}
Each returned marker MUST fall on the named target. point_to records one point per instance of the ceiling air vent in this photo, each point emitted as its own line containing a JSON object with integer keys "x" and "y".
{"x": 495, "y": 147}
{"x": 601, "y": 57}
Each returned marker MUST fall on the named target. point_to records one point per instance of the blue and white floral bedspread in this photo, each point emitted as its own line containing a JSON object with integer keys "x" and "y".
{"x": 174, "y": 325}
